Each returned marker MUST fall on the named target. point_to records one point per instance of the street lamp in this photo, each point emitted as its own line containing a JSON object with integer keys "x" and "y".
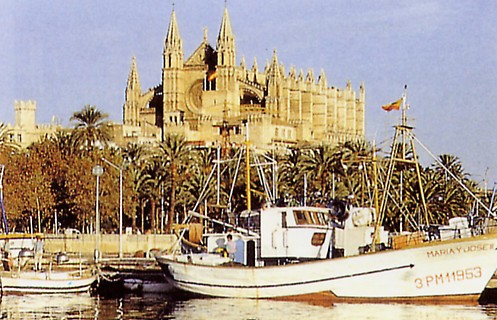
{"x": 4, "y": 216}
{"x": 120, "y": 203}
{"x": 97, "y": 171}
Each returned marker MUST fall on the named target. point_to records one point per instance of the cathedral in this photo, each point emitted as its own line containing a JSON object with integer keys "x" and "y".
{"x": 212, "y": 100}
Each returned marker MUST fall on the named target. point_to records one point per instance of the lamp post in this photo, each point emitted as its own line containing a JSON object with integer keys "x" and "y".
{"x": 2, "y": 207}
{"x": 120, "y": 203}
{"x": 97, "y": 171}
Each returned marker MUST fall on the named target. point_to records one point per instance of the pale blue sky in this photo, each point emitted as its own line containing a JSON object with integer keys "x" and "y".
{"x": 65, "y": 54}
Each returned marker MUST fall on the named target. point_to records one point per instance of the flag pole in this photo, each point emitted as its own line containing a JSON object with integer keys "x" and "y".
{"x": 404, "y": 106}
{"x": 404, "y": 122}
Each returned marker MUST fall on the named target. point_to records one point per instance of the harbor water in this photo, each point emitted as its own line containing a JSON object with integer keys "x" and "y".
{"x": 83, "y": 306}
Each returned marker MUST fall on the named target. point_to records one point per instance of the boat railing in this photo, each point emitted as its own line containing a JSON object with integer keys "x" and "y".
{"x": 457, "y": 228}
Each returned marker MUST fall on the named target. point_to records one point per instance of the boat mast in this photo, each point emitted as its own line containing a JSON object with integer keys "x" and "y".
{"x": 379, "y": 221}
{"x": 247, "y": 167}
{"x": 403, "y": 134}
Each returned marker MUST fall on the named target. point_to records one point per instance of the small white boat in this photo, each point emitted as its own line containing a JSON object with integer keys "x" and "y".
{"x": 25, "y": 282}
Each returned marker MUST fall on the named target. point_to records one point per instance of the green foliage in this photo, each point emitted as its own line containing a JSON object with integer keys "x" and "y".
{"x": 91, "y": 129}
{"x": 166, "y": 180}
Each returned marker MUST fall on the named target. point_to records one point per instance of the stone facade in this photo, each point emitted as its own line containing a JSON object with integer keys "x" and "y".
{"x": 25, "y": 130}
{"x": 210, "y": 99}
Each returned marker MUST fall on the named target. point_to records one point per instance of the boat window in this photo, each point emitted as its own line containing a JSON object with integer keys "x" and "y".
{"x": 308, "y": 217}
{"x": 283, "y": 219}
{"x": 321, "y": 219}
{"x": 318, "y": 239}
{"x": 249, "y": 221}
{"x": 300, "y": 217}
{"x": 317, "y": 218}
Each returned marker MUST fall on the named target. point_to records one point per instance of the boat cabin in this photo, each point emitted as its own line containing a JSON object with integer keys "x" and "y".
{"x": 295, "y": 233}
{"x": 279, "y": 235}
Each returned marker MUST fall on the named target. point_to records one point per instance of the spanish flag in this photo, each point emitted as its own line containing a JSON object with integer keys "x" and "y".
{"x": 212, "y": 75}
{"x": 393, "y": 106}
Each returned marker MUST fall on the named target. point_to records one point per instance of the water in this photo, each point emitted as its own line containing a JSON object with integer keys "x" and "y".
{"x": 82, "y": 306}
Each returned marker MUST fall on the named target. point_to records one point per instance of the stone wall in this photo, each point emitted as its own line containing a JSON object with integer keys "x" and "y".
{"x": 109, "y": 243}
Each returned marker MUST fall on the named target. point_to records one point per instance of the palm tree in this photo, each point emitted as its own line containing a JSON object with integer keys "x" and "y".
{"x": 450, "y": 200}
{"x": 91, "y": 128}
{"x": 153, "y": 179}
{"x": 290, "y": 184}
{"x": 6, "y": 143}
{"x": 353, "y": 164}
{"x": 174, "y": 151}
{"x": 135, "y": 156}
{"x": 64, "y": 142}
{"x": 318, "y": 164}
{"x": 201, "y": 167}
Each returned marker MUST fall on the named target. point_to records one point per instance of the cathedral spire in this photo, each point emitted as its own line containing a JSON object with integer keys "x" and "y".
{"x": 255, "y": 67}
{"x": 133, "y": 78}
{"x": 274, "y": 68}
{"x": 173, "y": 46}
{"x": 322, "y": 82}
{"x": 206, "y": 38}
{"x": 225, "y": 32}
{"x": 274, "y": 89}
{"x": 226, "y": 42}
{"x": 132, "y": 96}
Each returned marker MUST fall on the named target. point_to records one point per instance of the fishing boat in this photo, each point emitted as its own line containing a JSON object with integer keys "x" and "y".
{"x": 340, "y": 252}
{"x": 312, "y": 258}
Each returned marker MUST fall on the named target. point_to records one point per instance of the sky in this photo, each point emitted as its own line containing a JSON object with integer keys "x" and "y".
{"x": 66, "y": 54}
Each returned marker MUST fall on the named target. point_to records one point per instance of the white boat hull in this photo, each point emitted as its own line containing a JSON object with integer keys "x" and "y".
{"x": 26, "y": 282}
{"x": 459, "y": 269}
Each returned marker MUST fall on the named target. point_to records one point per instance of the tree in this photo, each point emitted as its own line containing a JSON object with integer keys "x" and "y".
{"x": 174, "y": 152}
{"x": 29, "y": 181}
{"x": 199, "y": 168}
{"x": 290, "y": 184}
{"x": 135, "y": 156}
{"x": 64, "y": 142}
{"x": 6, "y": 144}
{"x": 450, "y": 199}
{"x": 154, "y": 179}
{"x": 91, "y": 128}
{"x": 319, "y": 163}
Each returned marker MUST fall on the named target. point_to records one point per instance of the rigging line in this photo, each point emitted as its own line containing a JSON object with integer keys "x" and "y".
{"x": 204, "y": 189}
{"x": 454, "y": 176}
{"x": 491, "y": 205}
{"x": 262, "y": 177}
{"x": 234, "y": 178}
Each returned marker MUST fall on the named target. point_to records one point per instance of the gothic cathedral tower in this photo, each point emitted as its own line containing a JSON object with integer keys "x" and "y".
{"x": 207, "y": 97}
{"x": 226, "y": 69}
{"x": 172, "y": 75}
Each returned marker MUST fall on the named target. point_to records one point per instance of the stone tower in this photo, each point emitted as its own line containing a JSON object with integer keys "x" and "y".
{"x": 25, "y": 114}
{"x": 172, "y": 75}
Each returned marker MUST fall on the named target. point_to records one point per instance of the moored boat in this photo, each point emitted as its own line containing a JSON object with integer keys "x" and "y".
{"x": 456, "y": 269}
{"x": 339, "y": 251}
{"x": 50, "y": 281}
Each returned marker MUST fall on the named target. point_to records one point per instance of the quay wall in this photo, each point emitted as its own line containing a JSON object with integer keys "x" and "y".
{"x": 133, "y": 244}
